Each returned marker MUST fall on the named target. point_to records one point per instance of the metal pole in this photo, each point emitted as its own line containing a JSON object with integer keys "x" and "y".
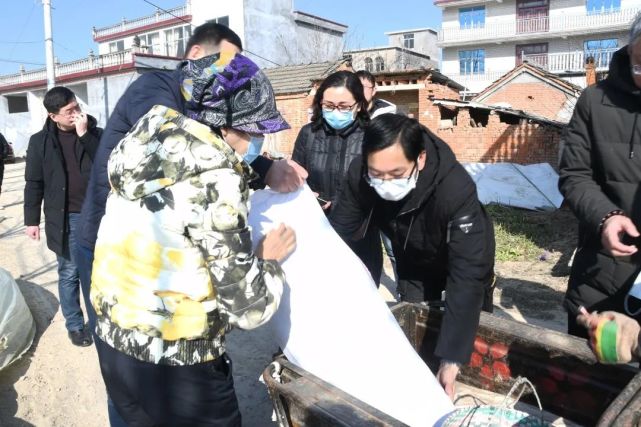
{"x": 51, "y": 75}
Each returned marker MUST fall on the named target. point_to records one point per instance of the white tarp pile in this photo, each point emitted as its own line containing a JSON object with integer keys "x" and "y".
{"x": 332, "y": 321}
{"x": 531, "y": 187}
{"x": 17, "y": 327}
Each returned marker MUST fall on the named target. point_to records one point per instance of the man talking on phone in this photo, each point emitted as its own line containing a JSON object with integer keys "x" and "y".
{"x": 59, "y": 160}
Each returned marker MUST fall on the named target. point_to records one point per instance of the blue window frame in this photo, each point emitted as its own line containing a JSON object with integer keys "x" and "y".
{"x": 602, "y": 6}
{"x": 601, "y": 50}
{"x": 472, "y": 61}
{"x": 472, "y": 17}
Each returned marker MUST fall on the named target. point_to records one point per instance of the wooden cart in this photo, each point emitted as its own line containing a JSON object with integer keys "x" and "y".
{"x": 574, "y": 389}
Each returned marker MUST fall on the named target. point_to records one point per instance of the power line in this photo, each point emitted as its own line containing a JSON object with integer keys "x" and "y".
{"x": 19, "y": 42}
{"x": 67, "y": 49}
{"x": 20, "y": 62}
{"x": 13, "y": 48}
{"x": 189, "y": 23}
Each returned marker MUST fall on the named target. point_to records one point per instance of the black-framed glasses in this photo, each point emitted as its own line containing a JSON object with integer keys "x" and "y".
{"x": 372, "y": 180}
{"x": 341, "y": 108}
{"x": 636, "y": 69}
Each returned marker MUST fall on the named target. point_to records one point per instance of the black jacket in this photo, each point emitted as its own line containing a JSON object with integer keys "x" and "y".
{"x": 46, "y": 179}
{"x": 441, "y": 236}
{"x": 601, "y": 172}
{"x": 326, "y": 155}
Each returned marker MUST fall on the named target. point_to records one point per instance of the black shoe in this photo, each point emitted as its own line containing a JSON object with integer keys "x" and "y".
{"x": 80, "y": 339}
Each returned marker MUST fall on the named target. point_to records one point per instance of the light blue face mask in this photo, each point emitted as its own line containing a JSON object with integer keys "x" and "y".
{"x": 337, "y": 119}
{"x": 254, "y": 149}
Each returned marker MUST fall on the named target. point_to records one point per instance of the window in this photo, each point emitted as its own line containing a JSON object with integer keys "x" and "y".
{"x": 17, "y": 104}
{"x": 151, "y": 42}
{"x": 117, "y": 46}
{"x": 176, "y": 41}
{"x": 602, "y": 6}
{"x": 601, "y": 51}
{"x": 532, "y": 16}
{"x": 472, "y": 17}
{"x": 534, "y": 53}
{"x": 380, "y": 64}
{"x": 222, "y": 20}
{"x": 472, "y": 61}
{"x": 369, "y": 64}
{"x": 408, "y": 41}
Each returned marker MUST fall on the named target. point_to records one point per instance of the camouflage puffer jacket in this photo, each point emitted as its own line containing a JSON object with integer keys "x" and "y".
{"x": 174, "y": 268}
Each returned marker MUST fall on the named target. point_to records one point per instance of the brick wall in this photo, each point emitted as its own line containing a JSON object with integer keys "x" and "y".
{"x": 294, "y": 109}
{"x": 523, "y": 143}
{"x": 536, "y": 98}
{"x": 497, "y": 141}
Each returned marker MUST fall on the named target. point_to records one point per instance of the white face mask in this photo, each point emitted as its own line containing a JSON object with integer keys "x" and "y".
{"x": 394, "y": 189}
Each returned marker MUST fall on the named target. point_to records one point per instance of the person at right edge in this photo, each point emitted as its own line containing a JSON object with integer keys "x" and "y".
{"x": 409, "y": 185}
{"x": 600, "y": 178}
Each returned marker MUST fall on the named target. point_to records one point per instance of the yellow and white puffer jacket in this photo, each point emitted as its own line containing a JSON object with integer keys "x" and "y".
{"x": 173, "y": 267}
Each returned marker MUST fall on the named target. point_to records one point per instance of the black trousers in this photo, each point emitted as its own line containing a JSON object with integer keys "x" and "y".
{"x": 1, "y": 172}
{"x": 146, "y": 394}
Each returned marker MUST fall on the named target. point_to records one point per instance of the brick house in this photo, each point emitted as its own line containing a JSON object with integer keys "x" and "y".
{"x": 295, "y": 86}
{"x": 489, "y": 134}
{"x": 533, "y": 90}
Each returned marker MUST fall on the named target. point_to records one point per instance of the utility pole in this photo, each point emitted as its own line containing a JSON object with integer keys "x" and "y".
{"x": 51, "y": 75}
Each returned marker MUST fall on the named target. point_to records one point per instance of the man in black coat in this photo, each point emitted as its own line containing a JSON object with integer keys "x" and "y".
{"x": 601, "y": 181}
{"x": 410, "y": 185}
{"x": 59, "y": 160}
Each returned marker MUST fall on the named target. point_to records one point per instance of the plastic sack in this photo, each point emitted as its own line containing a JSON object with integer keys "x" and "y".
{"x": 17, "y": 327}
{"x": 333, "y": 322}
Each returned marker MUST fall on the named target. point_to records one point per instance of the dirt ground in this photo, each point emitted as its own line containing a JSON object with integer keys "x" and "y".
{"x": 58, "y": 384}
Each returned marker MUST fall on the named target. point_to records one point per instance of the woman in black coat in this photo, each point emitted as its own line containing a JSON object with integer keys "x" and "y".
{"x": 326, "y": 147}
{"x": 409, "y": 184}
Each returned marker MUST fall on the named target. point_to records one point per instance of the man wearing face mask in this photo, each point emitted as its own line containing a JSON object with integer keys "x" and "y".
{"x": 174, "y": 269}
{"x": 409, "y": 184}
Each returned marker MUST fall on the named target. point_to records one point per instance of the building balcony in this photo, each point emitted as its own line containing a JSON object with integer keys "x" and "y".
{"x": 69, "y": 69}
{"x": 571, "y": 62}
{"x": 500, "y": 30}
{"x": 126, "y": 27}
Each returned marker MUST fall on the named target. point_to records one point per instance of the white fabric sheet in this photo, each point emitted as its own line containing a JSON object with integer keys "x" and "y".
{"x": 533, "y": 187}
{"x": 333, "y": 322}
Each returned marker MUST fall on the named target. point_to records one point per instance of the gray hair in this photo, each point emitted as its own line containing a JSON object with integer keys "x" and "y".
{"x": 635, "y": 29}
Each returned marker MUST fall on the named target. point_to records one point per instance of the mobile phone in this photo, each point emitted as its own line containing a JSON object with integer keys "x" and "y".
{"x": 321, "y": 201}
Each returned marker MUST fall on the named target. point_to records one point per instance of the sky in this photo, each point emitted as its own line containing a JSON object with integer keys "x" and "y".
{"x": 22, "y": 23}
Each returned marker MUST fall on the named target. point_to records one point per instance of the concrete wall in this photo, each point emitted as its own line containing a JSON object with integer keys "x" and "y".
{"x": 270, "y": 32}
{"x": 18, "y": 127}
{"x": 204, "y": 10}
{"x": 424, "y": 42}
{"x": 315, "y": 45}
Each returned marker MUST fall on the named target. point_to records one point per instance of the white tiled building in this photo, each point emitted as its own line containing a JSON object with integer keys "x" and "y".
{"x": 483, "y": 39}
{"x": 271, "y": 31}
